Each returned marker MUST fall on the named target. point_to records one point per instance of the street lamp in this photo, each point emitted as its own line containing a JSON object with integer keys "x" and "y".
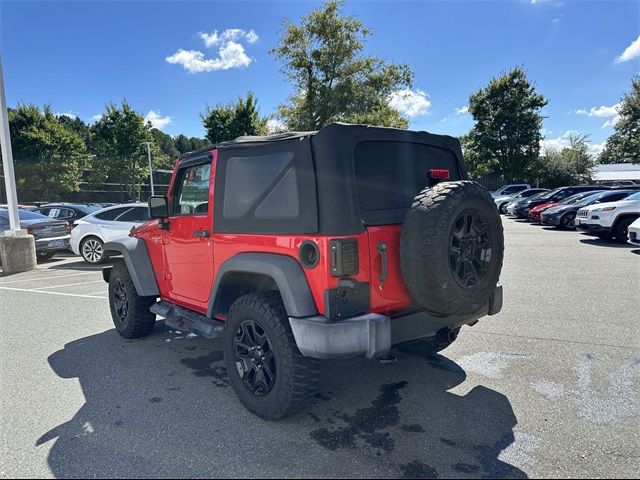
{"x": 148, "y": 144}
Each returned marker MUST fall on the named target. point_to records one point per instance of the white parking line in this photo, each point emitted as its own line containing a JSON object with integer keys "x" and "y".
{"x": 68, "y": 285}
{"x": 51, "y": 293}
{"x": 45, "y": 278}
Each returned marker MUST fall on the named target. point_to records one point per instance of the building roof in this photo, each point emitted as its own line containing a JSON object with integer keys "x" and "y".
{"x": 617, "y": 171}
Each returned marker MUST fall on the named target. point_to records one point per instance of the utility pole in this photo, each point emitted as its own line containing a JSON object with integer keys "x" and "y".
{"x": 17, "y": 247}
{"x": 148, "y": 144}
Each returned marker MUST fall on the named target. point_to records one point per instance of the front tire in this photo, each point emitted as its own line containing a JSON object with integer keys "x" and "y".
{"x": 129, "y": 311}
{"x": 92, "y": 250}
{"x": 267, "y": 371}
{"x": 567, "y": 222}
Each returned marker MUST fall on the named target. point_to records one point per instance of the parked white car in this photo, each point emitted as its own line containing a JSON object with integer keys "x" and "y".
{"x": 91, "y": 232}
{"x": 612, "y": 219}
{"x": 633, "y": 232}
{"x": 511, "y": 189}
{"x": 503, "y": 200}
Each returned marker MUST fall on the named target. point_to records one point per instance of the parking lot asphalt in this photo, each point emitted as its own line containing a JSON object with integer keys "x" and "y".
{"x": 546, "y": 388}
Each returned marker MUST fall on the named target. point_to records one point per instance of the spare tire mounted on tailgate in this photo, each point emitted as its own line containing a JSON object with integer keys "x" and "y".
{"x": 451, "y": 248}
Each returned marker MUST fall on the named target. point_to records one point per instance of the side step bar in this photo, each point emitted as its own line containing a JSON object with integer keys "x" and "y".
{"x": 184, "y": 320}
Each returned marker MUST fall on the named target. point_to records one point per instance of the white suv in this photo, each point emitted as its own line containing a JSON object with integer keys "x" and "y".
{"x": 612, "y": 219}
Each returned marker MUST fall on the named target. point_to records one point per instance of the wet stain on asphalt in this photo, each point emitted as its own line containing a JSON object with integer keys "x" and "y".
{"x": 202, "y": 366}
{"x": 367, "y": 423}
{"x": 418, "y": 469}
{"x": 155, "y": 399}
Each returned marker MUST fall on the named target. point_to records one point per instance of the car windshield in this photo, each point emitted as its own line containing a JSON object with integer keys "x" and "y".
{"x": 573, "y": 199}
{"x": 23, "y": 214}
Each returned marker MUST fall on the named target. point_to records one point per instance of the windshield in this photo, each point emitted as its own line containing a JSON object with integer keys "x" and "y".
{"x": 590, "y": 199}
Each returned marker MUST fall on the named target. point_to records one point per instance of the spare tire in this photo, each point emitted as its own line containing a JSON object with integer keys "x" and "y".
{"x": 451, "y": 248}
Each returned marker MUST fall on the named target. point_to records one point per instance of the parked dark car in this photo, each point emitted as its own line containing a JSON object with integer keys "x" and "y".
{"x": 564, "y": 215}
{"x": 69, "y": 212}
{"x": 51, "y": 236}
{"x": 521, "y": 210}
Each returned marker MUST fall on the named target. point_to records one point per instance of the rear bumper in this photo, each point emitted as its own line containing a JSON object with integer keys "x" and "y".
{"x": 53, "y": 244}
{"x": 373, "y": 335}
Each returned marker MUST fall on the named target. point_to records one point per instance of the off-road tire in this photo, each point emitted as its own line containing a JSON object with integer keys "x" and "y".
{"x": 296, "y": 377}
{"x": 135, "y": 320}
{"x": 427, "y": 347}
{"x": 620, "y": 229}
{"x": 427, "y": 245}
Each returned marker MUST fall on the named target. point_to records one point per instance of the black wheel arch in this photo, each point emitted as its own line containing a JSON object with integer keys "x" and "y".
{"x": 136, "y": 258}
{"x": 252, "y": 272}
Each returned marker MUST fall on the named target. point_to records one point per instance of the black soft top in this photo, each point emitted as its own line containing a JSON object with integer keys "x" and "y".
{"x": 338, "y": 173}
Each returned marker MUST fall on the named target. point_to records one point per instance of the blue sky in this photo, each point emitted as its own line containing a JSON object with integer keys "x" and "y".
{"x": 78, "y": 56}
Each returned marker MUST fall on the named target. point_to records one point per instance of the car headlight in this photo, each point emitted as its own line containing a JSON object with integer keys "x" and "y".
{"x": 607, "y": 209}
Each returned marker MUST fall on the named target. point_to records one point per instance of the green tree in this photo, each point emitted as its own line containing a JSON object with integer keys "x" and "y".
{"x": 48, "y": 156}
{"x": 226, "y": 122}
{"x": 333, "y": 80}
{"x": 77, "y": 125}
{"x": 167, "y": 146}
{"x": 506, "y": 136}
{"x": 186, "y": 144}
{"x": 117, "y": 143}
{"x": 624, "y": 144}
{"x": 572, "y": 165}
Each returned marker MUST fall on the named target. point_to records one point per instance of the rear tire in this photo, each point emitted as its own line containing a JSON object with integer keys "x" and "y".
{"x": 620, "y": 229}
{"x": 92, "y": 250}
{"x": 45, "y": 255}
{"x": 129, "y": 311}
{"x": 268, "y": 373}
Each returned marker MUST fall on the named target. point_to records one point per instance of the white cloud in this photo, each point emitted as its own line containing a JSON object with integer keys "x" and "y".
{"x": 605, "y": 112}
{"x": 97, "y": 117}
{"x": 631, "y": 52}
{"x": 410, "y": 103}
{"x": 229, "y": 35}
{"x": 601, "y": 111}
{"x": 462, "y": 110}
{"x": 67, "y": 114}
{"x": 563, "y": 141}
{"x": 231, "y": 53}
{"x": 157, "y": 120}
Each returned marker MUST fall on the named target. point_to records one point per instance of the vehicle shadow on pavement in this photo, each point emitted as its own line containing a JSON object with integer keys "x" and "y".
{"x": 598, "y": 242}
{"x": 163, "y": 407}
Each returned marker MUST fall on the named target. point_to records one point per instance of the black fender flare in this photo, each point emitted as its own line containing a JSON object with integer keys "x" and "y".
{"x": 286, "y": 273}
{"x": 136, "y": 257}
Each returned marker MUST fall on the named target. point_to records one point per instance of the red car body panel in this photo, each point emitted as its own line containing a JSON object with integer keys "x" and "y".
{"x": 185, "y": 266}
{"x": 534, "y": 213}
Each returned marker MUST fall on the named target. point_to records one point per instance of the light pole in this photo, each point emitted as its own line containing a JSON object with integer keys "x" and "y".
{"x": 148, "y": 144}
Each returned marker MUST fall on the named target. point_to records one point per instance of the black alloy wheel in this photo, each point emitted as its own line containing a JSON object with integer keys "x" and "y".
{"x": 120, "y": 300}
{"x": 255, "y": 360}
{"x": 469, "y": 248}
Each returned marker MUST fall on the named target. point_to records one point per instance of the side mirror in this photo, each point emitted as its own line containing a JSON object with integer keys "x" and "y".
{"x": 158, "y": 207}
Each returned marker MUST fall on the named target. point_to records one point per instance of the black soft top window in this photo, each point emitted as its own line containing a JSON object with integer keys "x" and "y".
{"x": 266, "y": 189}
{"x": 390, "y": 174}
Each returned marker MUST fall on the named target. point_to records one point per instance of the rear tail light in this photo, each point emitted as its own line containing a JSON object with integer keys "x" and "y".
{"x": 344, "y": 256}
{"x": 30, "y": 230}
{"x": 69, "y": 227}
{"x": 439, "y": 174}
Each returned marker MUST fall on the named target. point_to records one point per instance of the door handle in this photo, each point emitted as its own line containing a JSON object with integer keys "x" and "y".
{"x": 381, "y": 247}
{"x": 202, "y": 233}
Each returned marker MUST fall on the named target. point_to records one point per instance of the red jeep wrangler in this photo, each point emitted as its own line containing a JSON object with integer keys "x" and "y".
{"x": 297, "y": 247}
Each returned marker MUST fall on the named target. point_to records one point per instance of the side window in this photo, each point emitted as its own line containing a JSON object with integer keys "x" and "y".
{"x": 512, "y": 190}
{"x": 265, "y": 184}
{"x": 192, "y": 194}
{"x": 111, "y": 214}
{"x": 65, "y": 213}
{"x": 127, "y": 216}
{"x": 43, "y": 211}
{"x": 142, "y": 214}
{"x": 54, "y": 213}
